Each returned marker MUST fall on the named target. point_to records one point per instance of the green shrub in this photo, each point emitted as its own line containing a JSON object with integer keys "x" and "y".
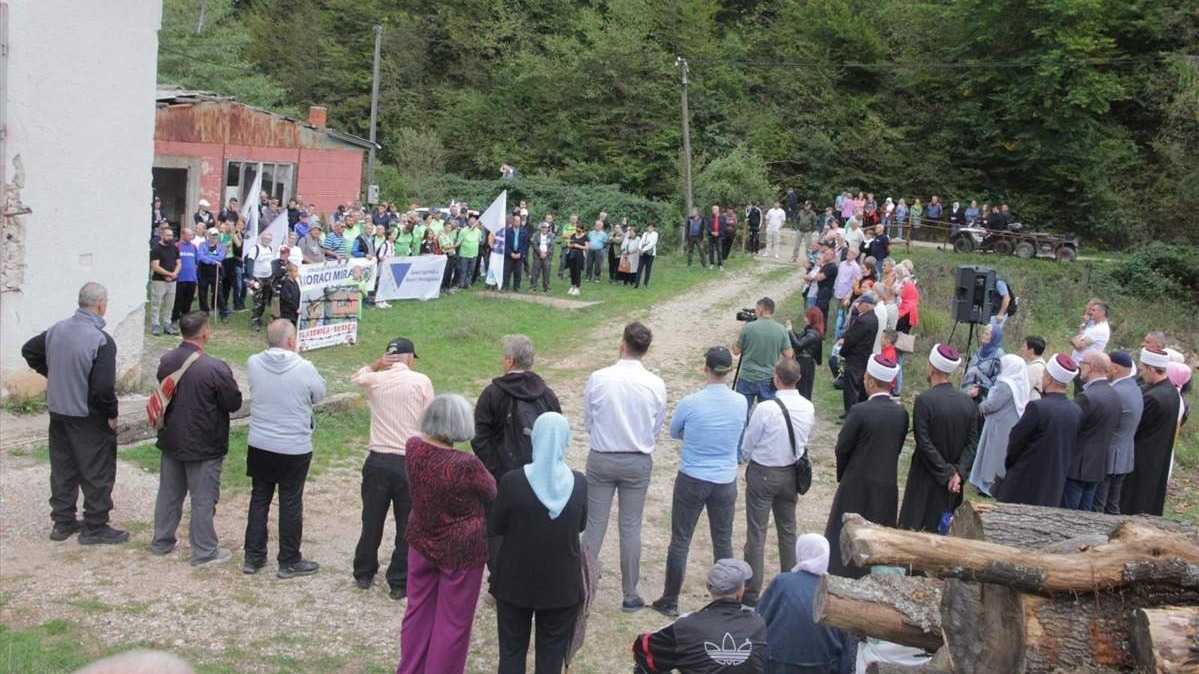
{"x": 1154, "y": 271}
{"x": 732, "y": 180}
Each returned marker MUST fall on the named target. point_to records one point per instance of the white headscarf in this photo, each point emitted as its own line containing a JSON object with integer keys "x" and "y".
{"x": 1013, "y": 371}
{"x": 811, "y": 554}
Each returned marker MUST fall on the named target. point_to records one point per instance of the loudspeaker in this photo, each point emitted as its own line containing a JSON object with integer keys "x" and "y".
{"x": 975, "y": 296}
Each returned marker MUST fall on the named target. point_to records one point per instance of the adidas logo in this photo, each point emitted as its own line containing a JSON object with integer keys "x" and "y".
{"x": 728, "y": 653}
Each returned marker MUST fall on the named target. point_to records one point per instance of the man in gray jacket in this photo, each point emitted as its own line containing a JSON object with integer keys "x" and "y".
{"x": 1120, "y": 453}
{"x": 283, "y": 389}
{"x": 79, "y": 361}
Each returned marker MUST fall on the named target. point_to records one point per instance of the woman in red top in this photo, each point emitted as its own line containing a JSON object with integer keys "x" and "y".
{"x": 447, "y": 540}
{"x": 909, "y": 309}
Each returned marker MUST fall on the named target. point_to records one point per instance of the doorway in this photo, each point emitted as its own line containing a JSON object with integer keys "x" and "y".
{"x": 170, "y": 185}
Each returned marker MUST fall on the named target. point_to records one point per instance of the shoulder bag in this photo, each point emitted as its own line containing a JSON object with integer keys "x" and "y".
{"x": 156, "y": 406}
{"x": 803, "y": 467}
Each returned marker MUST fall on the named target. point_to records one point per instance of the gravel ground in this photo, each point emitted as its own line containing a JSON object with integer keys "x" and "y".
{"x": 123, "y": 595}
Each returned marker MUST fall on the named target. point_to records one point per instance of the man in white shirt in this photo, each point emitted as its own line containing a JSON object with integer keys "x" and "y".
{"x": 649, "y": 250}
{"x": 259, "y": 257}
{"x": 542, "y": 253}
{"x": 770, "y": 476}
{"x": 1095, "y": 332}
{"x": 624, "y": 407}
{"x": 854, "y": 236}
{"x": 775, "y": 218}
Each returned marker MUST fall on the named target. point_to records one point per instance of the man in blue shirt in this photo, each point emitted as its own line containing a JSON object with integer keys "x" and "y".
{"x": 209, "y": 256}
{"x": 185, "y": 283}
{"x": 710, "y": 424}
{"x": 597, "y": 242}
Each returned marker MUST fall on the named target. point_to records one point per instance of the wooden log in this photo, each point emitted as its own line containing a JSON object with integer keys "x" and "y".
{"x": 1166, "y": 640}
{"x": 992, "y": 628}
{"x": 1034, "y": 527}
{"x": 1135, "y": 554}
{"x": 901, "y": 609}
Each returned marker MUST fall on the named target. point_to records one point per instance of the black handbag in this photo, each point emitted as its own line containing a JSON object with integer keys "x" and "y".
{"x": 803, "y": 467}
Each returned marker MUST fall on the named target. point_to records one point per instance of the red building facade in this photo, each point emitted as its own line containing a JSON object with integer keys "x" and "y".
{"x": 211, "y": 147}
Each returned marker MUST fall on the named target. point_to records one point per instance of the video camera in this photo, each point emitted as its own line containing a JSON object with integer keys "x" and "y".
{"x": 747, "y": 315}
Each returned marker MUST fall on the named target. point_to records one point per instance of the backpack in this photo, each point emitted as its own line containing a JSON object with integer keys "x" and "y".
{"x": 156, "y": 406}
{"x": 516, "y": 443}
{"x": 1014, "y": 304}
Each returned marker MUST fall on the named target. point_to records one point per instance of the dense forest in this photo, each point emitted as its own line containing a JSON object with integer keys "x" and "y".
{"x": 1082, "y": 114}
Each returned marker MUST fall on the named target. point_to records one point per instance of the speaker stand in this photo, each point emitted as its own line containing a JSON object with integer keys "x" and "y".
{"x": 969, "y": 338}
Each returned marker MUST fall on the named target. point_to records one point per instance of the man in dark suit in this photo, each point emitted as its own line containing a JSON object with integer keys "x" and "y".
{"x": 868, "y": 448}
{"x": 1100, "y": 407}
{"x": 1120, "y": 451}
{"x": 516, "y": 245}
{"x": 1042, "y": 442}
{"x": 946, "y": 428}
{"x": 1145, "y": 489}
{"x": 856, "y": 346}
{"x": 713, "y": 224}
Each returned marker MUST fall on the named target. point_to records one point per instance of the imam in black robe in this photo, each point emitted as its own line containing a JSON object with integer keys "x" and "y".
{"x": 856, "y": 347}
{"x": 945, "y": 423}
{"x": 868, "y": 448}
{"x": 1039, "y": 449}
{"x": 1145, "y": 488}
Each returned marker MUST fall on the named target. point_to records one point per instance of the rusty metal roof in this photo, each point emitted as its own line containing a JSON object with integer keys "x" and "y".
{"x": 168, "y": 95}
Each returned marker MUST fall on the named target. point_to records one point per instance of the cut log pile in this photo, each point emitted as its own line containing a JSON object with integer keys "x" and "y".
{"x": 1026, "y": 589}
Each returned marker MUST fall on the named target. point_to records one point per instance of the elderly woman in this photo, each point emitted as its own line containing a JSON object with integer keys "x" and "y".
{"x": 630, "y": 250}
{"x": 808, "y": 346}
{"x": 984, "y": 365}
{"x": 447, "y": 539}
{"x": 1001, "y": 410}
{"x": 540, "y": 511}
{"x": 795, "y": 643}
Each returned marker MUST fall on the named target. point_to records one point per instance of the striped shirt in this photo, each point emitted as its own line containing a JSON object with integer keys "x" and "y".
{"x": 334, "y": 242}
{"x": 397, "y": 398}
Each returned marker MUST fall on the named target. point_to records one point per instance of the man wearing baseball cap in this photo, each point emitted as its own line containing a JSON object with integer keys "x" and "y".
{"x": 203, "y": 216}
{"x": 868, "y": 448}
{"x": 397, "y": 397}
{"x": 721, "y": 637}
{"x": 710, "y": 424}
{"x": 1042, "y": 443}
{"x": 945, "y": 423}
{"x": 1145, "y": 489}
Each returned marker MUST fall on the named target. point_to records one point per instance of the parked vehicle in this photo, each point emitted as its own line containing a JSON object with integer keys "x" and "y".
{"x": 1016, "y": 241}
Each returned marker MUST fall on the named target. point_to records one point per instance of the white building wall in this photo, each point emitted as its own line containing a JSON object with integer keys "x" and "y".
{"x": 80, "y": 116}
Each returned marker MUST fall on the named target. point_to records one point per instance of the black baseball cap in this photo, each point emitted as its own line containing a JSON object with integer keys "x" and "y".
{"x": 401, "y": 345}
{"x": 718, "y": 359}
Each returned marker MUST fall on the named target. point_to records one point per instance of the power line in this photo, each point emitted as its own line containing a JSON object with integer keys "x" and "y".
{"x": 982, "y": 65}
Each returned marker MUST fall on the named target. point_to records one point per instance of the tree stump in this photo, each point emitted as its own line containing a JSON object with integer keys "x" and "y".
{"x": 900, "y": 609}
{"x": 1166, "y": 640}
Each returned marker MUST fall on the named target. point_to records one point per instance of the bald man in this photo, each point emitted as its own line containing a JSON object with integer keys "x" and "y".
{"x": 1101, "y": 408}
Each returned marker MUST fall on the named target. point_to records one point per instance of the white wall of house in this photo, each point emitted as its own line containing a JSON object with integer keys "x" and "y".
{"x": 79, "y": 114}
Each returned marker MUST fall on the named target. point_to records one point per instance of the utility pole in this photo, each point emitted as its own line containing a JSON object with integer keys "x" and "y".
{"x": 372, "y": 191}
{"x": 203, "y": 9}
{"x": 688, "y": 199}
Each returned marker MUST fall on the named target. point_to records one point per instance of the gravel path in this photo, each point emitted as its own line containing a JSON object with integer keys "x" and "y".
{"x": 123, "y": 595}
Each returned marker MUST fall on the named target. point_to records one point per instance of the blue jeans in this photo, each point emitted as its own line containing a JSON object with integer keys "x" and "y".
{"x": 899, "y": 376}
{"x": 465, "y": 265}
{"x": 690, "y": 498}
{"x": 809, "y": 302}
{"x": 759, "y": 390}
{"x": 1079, "y": 495}
{"x": 842, "y": 319}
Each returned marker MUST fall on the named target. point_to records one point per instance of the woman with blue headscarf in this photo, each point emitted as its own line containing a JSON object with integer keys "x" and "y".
{"x": 983, "y": 370}
{"x": 540, "y": 511}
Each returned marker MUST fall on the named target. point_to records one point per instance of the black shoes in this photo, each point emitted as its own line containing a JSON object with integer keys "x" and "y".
{"x": 105, "y": 535}
{"x": 668, "y": 610}
{"x": 397, "y": 593}
{"x": 64, "y": 530}
{"x": 304, "y": 567}
{"x": 632, "y": 605}
{"x": 364, "y": 583}
{"x": 250, "y": 568}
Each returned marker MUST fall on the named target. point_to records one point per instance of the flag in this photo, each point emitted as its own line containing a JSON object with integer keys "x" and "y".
{"x": 277, "y": 229}
{"x": 249, "y": 208}
{"x": 493, "y": 220}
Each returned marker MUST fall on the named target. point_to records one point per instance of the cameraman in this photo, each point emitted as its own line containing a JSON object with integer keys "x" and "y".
{"x": 760, "y": 344}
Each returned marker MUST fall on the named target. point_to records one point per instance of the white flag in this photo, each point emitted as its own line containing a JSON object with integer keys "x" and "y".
{"x": 277, "y": 229}
{"x": 249, "y": 208}
{"x": 494, "y": 220}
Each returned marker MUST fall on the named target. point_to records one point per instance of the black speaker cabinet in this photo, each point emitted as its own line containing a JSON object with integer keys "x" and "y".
{"x": 975, "y": 296}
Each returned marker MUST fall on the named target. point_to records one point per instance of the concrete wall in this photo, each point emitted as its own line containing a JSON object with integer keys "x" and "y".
{"x": 81, "y": 118}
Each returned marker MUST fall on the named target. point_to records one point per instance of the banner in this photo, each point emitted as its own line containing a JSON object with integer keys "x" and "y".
{"x": 249, "y": 209}
{"x": 331, "y": 302}
{"x": 493, "y": 220}
{"x": 410, "y": 278}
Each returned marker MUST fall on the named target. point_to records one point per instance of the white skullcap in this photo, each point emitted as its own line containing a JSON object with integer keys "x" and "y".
{"x": 882, "y": 369}
{"x": 1062, "y": 369}
{"x": 944, "y": 358}
{"x": 1158, "y": 359}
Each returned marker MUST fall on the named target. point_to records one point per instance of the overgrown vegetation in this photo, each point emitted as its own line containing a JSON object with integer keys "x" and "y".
{"x": 1082, "y": 114}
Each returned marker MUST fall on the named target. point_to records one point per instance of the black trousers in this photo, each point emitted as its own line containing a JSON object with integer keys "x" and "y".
{"x": 262, "y": 299}
{"x": 185, "y": 294}
{"x": 613, "y": 263}
{"x": 714, "y": 251}
{"x": 644, "y": 270}
{"x": 209, "y": 287}
{"x": 229, "y": 274}
{"x": 289, "y": 472}
{"x": 384, "y": 487}
{"x": 512, "y": 270}
{"x": 555, "y": 627}
{"x": 83, "y": 456}
{"x": 753, "y": 242}
{"x": 726, "y": 245}
{"x": 854, "y": 391}
{"x": 576, "y": 267}
{"x": 696, "y": 244}
{"x": 1107, "y": 497}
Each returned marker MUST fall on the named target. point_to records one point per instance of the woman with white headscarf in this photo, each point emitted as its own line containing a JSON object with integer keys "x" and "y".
{"x": 795, "y": 643}
{"x": 540, "y": 511}
{"x": 1001, "y": 410}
